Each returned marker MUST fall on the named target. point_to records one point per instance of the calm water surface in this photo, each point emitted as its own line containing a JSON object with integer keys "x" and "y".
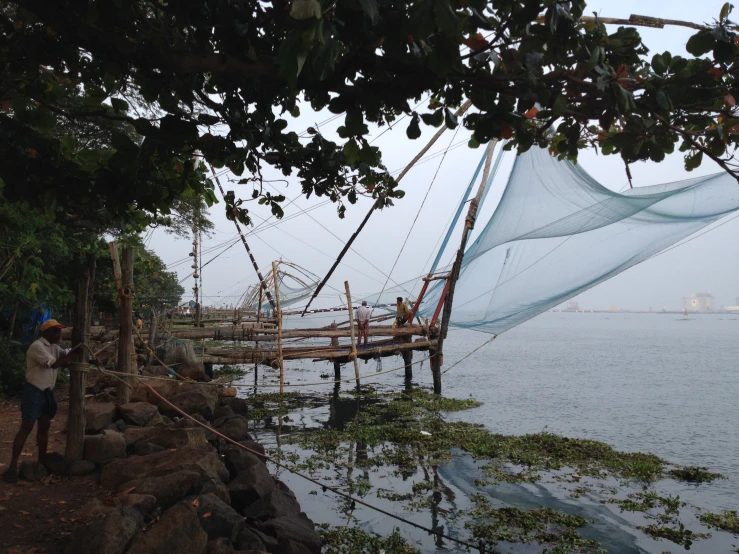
{"x": 656, "y": 383}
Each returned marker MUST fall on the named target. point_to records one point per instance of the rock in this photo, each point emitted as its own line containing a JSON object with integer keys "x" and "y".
{"x": 217, "y": 518}
{"x": 55, "y": 463}
{"x": 201, "y": 459}
{"x": 166, "y": 489}
{"x": 164, "y": 436}
{"x": 228, "y": 392}
{"x": 219, "y": 546}
{"x": 144, "y": 503}
{"x": 256, "y": 447}
{"x": 145, "y": 448}
{"x": 196, "y": 372}
{"x": 238, "y": 405}
{"x": 270, "y": 543}
{"x": 167, "y": 388}
{"x": 248, "y": 539}
{"x": 222, "y": 411}
{"x": 81, "y": 467}
{"x": 293, "y": 528}
{"x": 167, "y": 420}
{"x": 140, "y": 413}
{"x": 177, "y": 531}
{"x": 110, "y": 535}
{"x": 216, "y": 487}
{"x": 155, "y": 371}
{"x": 237, "y": 460}
{"x": 194, "y": 401}
{"x": 276, "y": 503}
{"x": 292, "y": 547}
{"x": 250, "y": 485}
{"x": 98, "y": 415}
{"x": 32, "y": 471}
{"x": 105, "y": 447}
{"x": 118, "y": 426}
{"x": 235, "y": 427}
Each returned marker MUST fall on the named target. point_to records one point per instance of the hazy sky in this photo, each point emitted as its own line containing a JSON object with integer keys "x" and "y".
{"x": 706, "y": 263}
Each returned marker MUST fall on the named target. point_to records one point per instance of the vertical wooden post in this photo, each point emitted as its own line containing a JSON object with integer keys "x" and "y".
{"x": 334, "y": 344}
{"x": 351, "y": 326}
{"x": 125, "y": 334}
{"x": 78, "y": 370}
{"x": 152, "y": 334}
{"x": 448, "y": 296}
{"x": 256, "y": 343}
{"x": 279, "y": 328}
{"x": 408, "y": 361}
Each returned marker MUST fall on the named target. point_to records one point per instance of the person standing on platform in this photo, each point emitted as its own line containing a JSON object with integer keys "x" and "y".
{"x": 38, "y": 403}
{"x": 363, "y": 318}
{"x": 404, "y": 312}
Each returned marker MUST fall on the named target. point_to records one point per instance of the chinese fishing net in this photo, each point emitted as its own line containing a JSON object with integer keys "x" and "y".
{"x": 557, "y": 232}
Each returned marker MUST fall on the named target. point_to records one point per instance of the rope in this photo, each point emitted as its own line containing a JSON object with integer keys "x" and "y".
{"x": 323, "y": 486}
{"x": 470, "y": 354}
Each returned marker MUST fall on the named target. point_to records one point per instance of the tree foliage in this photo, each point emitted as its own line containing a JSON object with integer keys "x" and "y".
{"x": 221, "y": 79}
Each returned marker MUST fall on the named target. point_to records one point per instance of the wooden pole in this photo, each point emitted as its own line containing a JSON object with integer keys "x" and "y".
{"x": 335, "y": 344}
{"x": 78, "y": 369}
{"x": 353, "y": 355}
{"x": 152, "y": 334}
{"x": 279, "y": 328}
{"x": 469, "y": 224}
{"x": 462, "y": 109}
{"x": 256, "y": 343}
{"x": 125, "y": 336}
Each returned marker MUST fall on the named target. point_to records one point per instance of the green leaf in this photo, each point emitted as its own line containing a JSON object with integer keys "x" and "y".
{"x": 693, "y": 160}
{"x": 324, "y": 59}
{"x": 119, "y": 105}
{"x": 414, "y": 130}
{"x": 351, "y": 152}
{"x": 295, "y": 112}
{"x": 725, "y": 11}
{"x": 658, "y": 64}
{"x": 435, "y": 119}
{"x": 560, "y": 105}
{"x": 473, "y": 143}
{"x": 450, "y": 118}
{"x": 305, "y": 9}
{"x": 700, "y": 43}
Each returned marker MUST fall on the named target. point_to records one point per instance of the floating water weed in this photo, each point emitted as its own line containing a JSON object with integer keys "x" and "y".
{"x": 728, "y": 520}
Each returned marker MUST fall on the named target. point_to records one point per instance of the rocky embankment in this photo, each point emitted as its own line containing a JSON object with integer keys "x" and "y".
{"x": 178, "y": 487}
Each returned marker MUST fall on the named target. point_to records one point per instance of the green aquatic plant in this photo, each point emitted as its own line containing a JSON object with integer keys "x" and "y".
{"x": 693, "y": 474}
{"x": 352, "y": 540}
{"x": 679, "y": 534}
{"x": 728, "y": 521}
{"x": 229, "y": 371}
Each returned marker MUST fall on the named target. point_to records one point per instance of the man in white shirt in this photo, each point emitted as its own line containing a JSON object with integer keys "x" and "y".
{"x": 363, "y": 318}
{"x": 38, "y": 402}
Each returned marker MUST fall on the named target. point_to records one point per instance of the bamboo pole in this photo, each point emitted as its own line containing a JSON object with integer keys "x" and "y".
{"x": 279, "y": 328}
{"x": 469, "y": 224}
{"x": 351, "y": 327}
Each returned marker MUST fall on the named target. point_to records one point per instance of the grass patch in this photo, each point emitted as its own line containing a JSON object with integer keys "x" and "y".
{"x": 728, "y": 521}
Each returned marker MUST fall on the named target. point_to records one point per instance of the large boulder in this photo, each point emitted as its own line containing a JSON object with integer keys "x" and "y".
{"x": 201, "y": 459}
{"x": 166, "y": 489}
{"x": 166, "y": 387}
{"x": 222, "y": 411}
{"x": 235, "y": 427}
{"x": 164, "y": 436}
{"x": 146, "y": 448}
{"x": 276, "y": 503}
{"x": 238, "y": 405}
{"x": 191, "y": 401}
{"x": 196, "y": 372}
{"x": 81, "y": 467}
{"x": 218, "y": 488}
{"x": 177, "y": 531}
{"x": 98, "y": 415}
{"x": 102, "y": 448}
{"x": 55, "y": 463}
{"x": 155, "y": 371}
{"x": 140, "y": 414}
{"x": 248, "y": 539}
{"x": 217, "y": 518}
{"x": 238, "y": 460}
{"x": 250, "y": 484}
{"x": 219, "y": 546}
{"x": 297, "y": 529}
{"x": 32, "y": 471}
{"x": 110, "y": 535}
{"x": 256, "y": 447}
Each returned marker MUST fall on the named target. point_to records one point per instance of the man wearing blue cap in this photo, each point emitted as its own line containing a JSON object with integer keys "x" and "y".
{"x": 43, "y": 360}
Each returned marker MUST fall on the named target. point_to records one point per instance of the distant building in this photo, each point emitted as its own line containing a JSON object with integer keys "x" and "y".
{"x": 699, "y": 302}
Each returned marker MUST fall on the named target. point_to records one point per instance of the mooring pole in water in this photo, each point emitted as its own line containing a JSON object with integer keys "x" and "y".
{"x": 469, "y": 224}
{"x": 353, "y": 355}
{"x": 256, "y": 343}
{"x": 335, "y": 344}
{"x": 279, "y": 328}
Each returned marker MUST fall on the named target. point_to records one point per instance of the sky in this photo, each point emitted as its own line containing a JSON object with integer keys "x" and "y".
{"x": 400, "y": 241}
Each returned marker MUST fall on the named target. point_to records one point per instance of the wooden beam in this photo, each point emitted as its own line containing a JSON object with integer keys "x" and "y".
{"x": 279, "y": 327}
{"x": 353, "y": 356}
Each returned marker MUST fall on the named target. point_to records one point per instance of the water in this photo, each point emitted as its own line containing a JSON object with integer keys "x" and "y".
{"x": 656, "y": 383}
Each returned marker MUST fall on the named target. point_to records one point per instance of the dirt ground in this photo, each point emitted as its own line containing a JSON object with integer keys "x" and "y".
{"x": 41, "y": 516}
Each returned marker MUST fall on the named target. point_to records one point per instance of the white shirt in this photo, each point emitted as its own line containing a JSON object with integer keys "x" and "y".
{"x": 39, "y": 359}
{"x": 363, "y": 313}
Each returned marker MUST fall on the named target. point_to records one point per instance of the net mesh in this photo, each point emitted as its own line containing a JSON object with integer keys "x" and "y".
{"x": 557, "y": 232}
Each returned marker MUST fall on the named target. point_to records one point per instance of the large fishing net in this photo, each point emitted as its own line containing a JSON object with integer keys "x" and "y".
{"x": 557, "y": 232}
{"x": 295, "y": 283}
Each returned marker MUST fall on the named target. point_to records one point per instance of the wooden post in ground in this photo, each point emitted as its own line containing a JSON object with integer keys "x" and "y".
{"x": 353, "y": 355}
{"x": 408, "y": 360}
{"x": 335, "y": 344}
{"x": 256, "y": 343}
{"x": 279, "y": 328}
{"x": 469, "y": 224}
{"x": 152, "y": 335}
{"x": 125, "y": 334}
{"x": 78, "y": 369}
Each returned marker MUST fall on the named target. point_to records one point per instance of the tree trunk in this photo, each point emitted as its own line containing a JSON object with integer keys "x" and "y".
{"x": 78, "y": 371}
{"x": 125, "y": 336}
